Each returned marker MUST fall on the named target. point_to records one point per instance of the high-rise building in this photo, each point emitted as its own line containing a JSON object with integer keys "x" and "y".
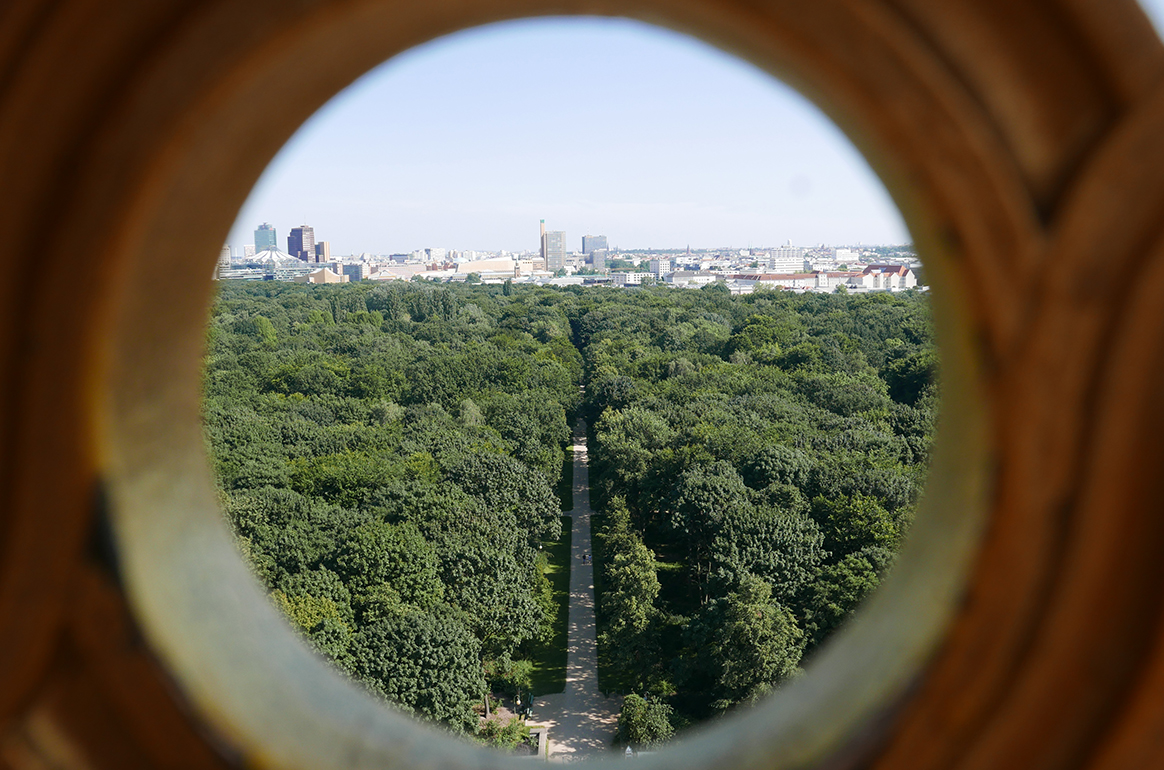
{"x": 593, "y": 242}
{"x": 357, "y": 272}
{"x": 553, "y": 248}
{"x": 301, "y": 243}
{"x": 265, "y": 237}
{"x": 248, "y": 251}
{"x": 660, "y": 267}
{"x": 323, "y": 251}
{"x": 223, "y": 259}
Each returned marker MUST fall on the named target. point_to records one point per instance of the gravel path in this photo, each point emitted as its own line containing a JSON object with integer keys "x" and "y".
{"x": 581, "y": 720}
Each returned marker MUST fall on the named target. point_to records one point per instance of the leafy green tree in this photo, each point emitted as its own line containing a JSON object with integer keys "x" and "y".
{"x": 379, "y": 556}
{"x": 254, "y": 466}
{"x": 630, "y": 441}
{"x": 910, "y": 376}
{"x": 471, "y": 415}
{"x": 265, "y": 331}
{"x": 507, "y": 485}
{"x": 489, "y": 572}
{"x": 764, "y": 332}
{"x": 643, "y": 723}
{"x": 746, "y": 643}
{"x": 321, "y": 622}
{"x": 534, "y": 425}
{"x": 777, "y": 464}
{"x": 839, "y": 590}
{"x": 703, "y": 497}
{"x": 628, "y": 602}
{"x": 509, "y": 676}
{"x": 852, "y": 523}
{"x": 426, "y": 664}
{"x": 505, "y": 736}
{"x": 782, "y": 547}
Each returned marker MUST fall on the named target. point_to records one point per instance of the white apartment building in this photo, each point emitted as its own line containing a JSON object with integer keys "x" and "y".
{"x": 628, "y": 279}
{"x": 886, "y": 278}
{"x": 786, "y": 259}
{"x": 660, "y": 267}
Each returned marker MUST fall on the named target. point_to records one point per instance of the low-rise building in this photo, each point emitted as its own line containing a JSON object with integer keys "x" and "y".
{"x": 629, "y": 279}
{"x": 498, "y": 265}
{"x": 396, "y": 272}
{"x": 889, "y": 277}
{"x": 784, "y": 280}
{"x": 323, "y": 275}
{"x": 871, "y": 278}
{"x": 692, "y": 278}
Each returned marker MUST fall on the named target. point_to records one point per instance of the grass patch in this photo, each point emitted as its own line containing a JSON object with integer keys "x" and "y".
{"x": 565, "y": 487}
{"x": 549, "y": 660}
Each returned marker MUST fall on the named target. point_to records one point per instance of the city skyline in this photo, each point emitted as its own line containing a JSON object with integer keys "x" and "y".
{"x": 687, "y": 145}
{"x": 659, "y": 141}
{"x": 264, "y": 237}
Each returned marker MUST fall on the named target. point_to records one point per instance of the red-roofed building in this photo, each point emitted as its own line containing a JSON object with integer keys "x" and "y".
{"x": 888, "y": 278}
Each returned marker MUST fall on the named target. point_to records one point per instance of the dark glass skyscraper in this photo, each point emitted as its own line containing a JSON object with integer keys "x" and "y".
{"x": 301, "y": 243}
{"x": 265, "y": 237}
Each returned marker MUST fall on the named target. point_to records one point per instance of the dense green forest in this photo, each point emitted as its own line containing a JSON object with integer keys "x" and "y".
{"x": 389, "y": 457}
{"x": 758, "y": 460}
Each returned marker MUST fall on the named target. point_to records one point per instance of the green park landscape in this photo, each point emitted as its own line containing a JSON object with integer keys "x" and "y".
{"x": 393, "y": 460}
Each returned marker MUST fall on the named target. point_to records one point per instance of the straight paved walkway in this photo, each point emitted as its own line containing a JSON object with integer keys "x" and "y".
{"x": 581, "y": 720}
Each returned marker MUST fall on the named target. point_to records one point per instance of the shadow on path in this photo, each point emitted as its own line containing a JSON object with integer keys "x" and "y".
{"x": 581, "y": 720}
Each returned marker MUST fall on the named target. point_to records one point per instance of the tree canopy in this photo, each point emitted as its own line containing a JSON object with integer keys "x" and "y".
{"x": 387, "y": 456}
{"x": 758, "y": 459}
{"x": 388, "y": 453}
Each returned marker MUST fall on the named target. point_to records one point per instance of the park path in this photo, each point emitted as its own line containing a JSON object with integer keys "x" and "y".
{"x": 581, "y": 720}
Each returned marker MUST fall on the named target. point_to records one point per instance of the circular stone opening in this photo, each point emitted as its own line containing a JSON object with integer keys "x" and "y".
{"x": 233, "y": 655}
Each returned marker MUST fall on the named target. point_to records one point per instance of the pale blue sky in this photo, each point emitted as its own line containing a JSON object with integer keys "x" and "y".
{"x": 599, "y": 126}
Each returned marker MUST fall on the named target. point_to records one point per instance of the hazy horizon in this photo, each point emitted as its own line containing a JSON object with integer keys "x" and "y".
{"x": 598, "y": 126}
